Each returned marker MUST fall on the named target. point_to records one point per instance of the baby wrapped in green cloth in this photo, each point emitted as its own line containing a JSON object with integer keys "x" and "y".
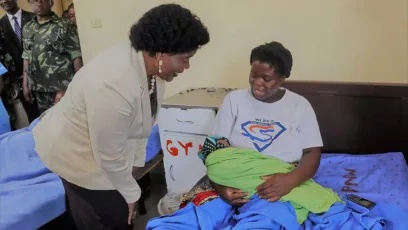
{"x": 243, "y": 169}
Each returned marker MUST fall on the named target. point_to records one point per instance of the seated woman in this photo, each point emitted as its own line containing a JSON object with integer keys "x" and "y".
{"x": 269, "y": 119}
{"x": 272, "y": 120}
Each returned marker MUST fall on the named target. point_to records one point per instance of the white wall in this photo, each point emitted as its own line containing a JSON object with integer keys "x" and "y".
{"x": 336, "y": 40}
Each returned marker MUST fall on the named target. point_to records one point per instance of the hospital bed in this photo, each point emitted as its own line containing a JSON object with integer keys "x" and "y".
{"x": 32, "y": 197}
{"x": 364, "y": 127}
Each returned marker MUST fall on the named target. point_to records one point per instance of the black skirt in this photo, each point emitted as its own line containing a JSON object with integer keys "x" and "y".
{"x": 96, "y": 209}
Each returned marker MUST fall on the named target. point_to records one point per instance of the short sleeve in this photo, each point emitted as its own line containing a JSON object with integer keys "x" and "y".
{"x": 72, "y": 44}
{"x": 309, "y": 128}
{"x": 225, "y": 119}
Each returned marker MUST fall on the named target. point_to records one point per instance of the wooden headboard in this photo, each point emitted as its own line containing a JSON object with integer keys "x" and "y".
{"x": 358, "y": 118}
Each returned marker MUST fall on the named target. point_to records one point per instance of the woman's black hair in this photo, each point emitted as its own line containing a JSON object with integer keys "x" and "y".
{"x": 274, "y": 54}
{"x": 168, "y": 28}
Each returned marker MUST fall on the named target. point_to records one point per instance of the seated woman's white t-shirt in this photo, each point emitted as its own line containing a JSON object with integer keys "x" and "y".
{"x": 281, "y": 129}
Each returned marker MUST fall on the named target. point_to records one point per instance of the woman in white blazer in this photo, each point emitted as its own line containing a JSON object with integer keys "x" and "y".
{"x": 90, "y": 137}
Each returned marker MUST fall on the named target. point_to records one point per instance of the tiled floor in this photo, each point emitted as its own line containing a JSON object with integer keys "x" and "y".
{"x": 158, "y": 190}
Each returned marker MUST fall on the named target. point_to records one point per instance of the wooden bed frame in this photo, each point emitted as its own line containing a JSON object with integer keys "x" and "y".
{"x": 358, "y": 118}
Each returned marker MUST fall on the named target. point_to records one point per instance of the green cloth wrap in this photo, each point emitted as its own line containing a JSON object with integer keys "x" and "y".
{"x": 243, "y": 169}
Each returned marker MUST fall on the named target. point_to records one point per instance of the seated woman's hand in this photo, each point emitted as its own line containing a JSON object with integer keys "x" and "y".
{"x": 276, "y": 186}
{"x": 224, "y": 142}
{"x": 232, "y": 196}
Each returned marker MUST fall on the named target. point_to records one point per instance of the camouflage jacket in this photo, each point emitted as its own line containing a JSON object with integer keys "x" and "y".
{"x": 50, "y": 47}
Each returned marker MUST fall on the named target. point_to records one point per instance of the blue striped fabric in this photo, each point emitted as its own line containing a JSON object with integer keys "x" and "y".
{"x": 17, "y": 28}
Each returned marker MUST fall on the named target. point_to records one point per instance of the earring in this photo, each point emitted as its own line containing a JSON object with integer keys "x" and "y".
{"x": 160, "y": 64}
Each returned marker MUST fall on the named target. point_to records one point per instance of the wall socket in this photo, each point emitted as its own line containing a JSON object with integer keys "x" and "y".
{"x": 96, "y": 23}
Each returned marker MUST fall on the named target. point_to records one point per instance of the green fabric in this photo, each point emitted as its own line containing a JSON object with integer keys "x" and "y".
{"x": 243, "y": 168}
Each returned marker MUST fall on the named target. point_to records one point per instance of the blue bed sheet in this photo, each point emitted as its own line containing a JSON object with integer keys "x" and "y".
{"x": 261, "y": 214}
{"x": 381, "y": 178}
{"x": 30, "y": 195}
{"x": 377, "y": 177}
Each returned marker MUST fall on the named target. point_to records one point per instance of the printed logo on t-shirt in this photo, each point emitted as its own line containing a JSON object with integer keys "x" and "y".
{"x": 262, "y": 132}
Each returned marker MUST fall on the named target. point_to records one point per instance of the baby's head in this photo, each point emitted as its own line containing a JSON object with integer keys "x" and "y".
{"x": 211, "y": 144}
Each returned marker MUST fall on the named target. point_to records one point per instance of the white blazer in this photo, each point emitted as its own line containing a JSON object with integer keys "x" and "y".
{"x": 90, "y": 137}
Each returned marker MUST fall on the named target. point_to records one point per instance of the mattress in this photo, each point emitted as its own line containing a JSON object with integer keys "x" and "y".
{"x": 377, "y": 177}
{"x": 30, "y": 195}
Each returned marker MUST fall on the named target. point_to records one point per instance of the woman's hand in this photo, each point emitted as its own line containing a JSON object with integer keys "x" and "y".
{"x": 131, "y": 207}
{"x": 276, "y": 186}
{"x": 231, "y": 196}
{"x": 224, "y": 142}
{"x": 28, "y": 96}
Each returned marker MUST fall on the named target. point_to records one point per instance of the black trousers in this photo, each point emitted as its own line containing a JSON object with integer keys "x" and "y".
{"x": 96, "y": 209}
{"x": 31, "y": 109}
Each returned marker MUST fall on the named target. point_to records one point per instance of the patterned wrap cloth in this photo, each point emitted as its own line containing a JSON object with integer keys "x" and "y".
{"x": 204, "y": 191}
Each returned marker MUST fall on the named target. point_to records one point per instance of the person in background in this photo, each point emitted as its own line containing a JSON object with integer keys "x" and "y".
{"x": 71, "y": 14}
{"x": 11, "y": 25}
{"x": 65, "y": 15}
{"x": 90, "y": 137}
{"x": 51, "y": 55}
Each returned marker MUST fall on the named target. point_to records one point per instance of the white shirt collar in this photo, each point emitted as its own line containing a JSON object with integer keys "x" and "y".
{"x": 17, "y": 15}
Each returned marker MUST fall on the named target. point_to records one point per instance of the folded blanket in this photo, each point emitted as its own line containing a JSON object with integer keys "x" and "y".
{"x": 243, "y": 169}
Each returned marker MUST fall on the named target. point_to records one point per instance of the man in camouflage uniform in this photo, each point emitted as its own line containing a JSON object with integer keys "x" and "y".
{"x": 51, "y": 55}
